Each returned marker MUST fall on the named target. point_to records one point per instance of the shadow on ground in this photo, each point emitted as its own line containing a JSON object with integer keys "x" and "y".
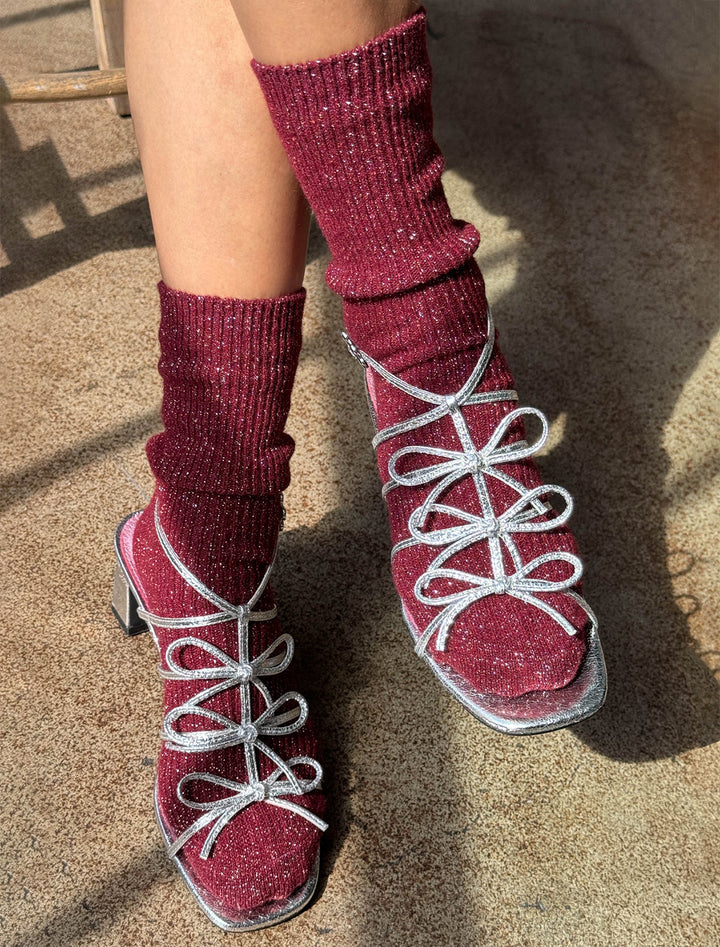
{"x": 562, "y": 128}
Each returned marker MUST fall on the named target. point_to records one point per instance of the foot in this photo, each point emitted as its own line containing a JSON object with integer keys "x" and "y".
{"x": 486, "y": 569}
{"x": 238, "y": 789}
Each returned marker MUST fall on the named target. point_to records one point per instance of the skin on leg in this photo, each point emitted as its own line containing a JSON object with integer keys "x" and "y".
{"x": 280, "y": 32}
{"x": 228, "y": 213}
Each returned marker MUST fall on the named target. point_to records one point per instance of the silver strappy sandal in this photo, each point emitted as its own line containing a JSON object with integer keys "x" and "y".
{"x": 280, "y": 716}
{"x": 533, "y": 712}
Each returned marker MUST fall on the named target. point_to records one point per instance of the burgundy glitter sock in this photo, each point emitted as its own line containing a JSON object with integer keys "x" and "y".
{"x": 357, "y": 128}
{"x": 221, "y": 463}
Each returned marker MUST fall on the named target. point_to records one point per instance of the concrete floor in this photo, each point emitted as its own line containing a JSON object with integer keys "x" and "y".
{"x": 582, "y": 138}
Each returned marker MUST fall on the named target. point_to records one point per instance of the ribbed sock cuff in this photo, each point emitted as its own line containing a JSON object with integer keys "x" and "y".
{"x": 357, "y": 128}
{"x": 228, "y": 367}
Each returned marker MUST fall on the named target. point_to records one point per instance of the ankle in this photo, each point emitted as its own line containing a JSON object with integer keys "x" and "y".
{"x": 428, "y": 322}
{"x": 226, "y": 541}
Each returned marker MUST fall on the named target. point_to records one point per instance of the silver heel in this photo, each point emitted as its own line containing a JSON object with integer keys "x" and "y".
{"x": 125, "y": 603}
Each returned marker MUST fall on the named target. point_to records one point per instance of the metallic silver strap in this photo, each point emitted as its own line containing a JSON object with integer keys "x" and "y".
{"x": 270, "y": 790}
{"x": 527, "y": 514}
{"x": 227, "y": 611}
{"x": 281, "y": 716}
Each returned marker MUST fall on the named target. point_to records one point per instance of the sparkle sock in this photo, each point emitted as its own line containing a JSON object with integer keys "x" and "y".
{"x": 220, "y": 464}
{"x": 357, "y": 128}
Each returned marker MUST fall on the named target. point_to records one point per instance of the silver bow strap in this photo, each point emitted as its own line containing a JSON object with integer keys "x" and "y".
{"x": 461, "y": 463}
{"x": 282, "y": 715}
{"x": 443, "y": 468}
{"x": 274, "y": 660}
{"x": 524, "y": 516}
{"x": 230, "y": 732}
{"x": 519, "y": 584}
{"x": 270, "y": 790}
{"x": 474, "y": 463}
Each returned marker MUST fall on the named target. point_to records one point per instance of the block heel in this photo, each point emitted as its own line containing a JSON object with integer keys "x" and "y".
{"x": 124, "y": 598}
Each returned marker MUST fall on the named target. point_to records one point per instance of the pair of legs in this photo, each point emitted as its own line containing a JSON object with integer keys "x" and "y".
{"x": 484, "y": 565}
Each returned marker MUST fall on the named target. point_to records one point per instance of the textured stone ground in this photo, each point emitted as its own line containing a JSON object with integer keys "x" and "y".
{"x": 582, "y": 138}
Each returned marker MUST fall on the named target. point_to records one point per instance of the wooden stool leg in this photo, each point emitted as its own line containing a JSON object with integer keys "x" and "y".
{"x": 108, "y": 23}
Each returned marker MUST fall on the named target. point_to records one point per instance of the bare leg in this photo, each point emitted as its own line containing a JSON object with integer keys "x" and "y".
{"x": 282, "y": 33}
{"x": 228, "y": 214}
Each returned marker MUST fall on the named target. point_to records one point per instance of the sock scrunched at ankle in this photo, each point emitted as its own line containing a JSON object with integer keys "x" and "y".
{"x": 228, "y": 367}
{"x": 222, "y": 461}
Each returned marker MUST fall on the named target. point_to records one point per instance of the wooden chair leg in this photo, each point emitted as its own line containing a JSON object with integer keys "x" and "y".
{"x": 63, "y": 86}
{"x": 108, "y": 23}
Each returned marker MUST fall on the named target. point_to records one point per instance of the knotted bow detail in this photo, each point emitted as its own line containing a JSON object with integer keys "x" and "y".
{"x": 282, "y": 715}
{"x": 232, "y": 673}
{"x": 531, "y": 512}
{"x": 270, "y": 790}
{"x": 526, "y": 515}
{"x": 520, "y": 584}
{"x": 473, "y": 461}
